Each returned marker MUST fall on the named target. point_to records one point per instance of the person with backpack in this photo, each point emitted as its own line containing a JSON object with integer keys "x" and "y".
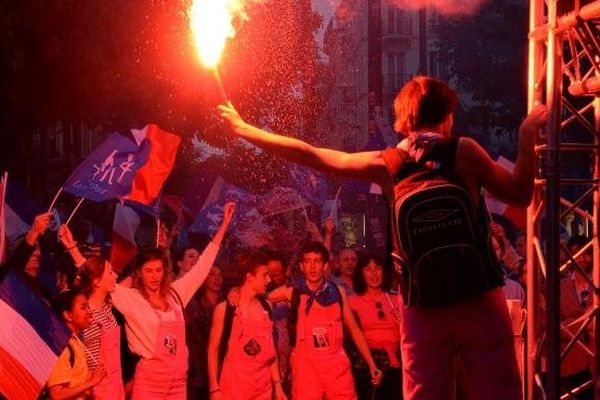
{"x": 242, "y": 361}
{"x": 154, "y": 323}
{"x": 450, "y": 281}
{"x": 319, "y": 312}
{"x": 102, "y": 338}
{"x": 71, "y": 378}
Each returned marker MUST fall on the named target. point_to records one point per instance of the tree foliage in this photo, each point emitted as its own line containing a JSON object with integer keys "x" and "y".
{"x": 125, "y": 63}
{"x": 485, "y": 57}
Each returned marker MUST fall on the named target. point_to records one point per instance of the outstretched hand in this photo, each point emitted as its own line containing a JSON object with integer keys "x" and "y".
{"x": 228, "y": 212}
{"x": 535, "y": 120}
{"x": 231, "y": 116}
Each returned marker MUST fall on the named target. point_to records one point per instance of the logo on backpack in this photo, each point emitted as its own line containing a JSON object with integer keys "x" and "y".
{"x": 436, "y": 215}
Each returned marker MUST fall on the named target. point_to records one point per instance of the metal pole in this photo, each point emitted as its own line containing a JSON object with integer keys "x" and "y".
{"x": 552, "y": 217}
{"x": 534, "y": 95}
{"x": 596, "y": 249}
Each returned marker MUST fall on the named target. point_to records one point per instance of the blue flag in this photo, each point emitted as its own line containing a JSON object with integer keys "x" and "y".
{"x": 311, "y": 184}
{"x": 109, "y": 171}
{"x": 209, "y": 219}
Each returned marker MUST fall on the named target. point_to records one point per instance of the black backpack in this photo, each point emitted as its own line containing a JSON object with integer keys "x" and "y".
{"x": 442, "y": 244}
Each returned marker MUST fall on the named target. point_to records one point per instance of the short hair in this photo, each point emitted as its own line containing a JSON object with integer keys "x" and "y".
{"x": 65, "y": 300}
{"x": 339, "y": 253}
{"x": 358, "y": 280}
{"x": 274, "y": 255}
{"x": 179, "y": 256}
{"x": 154, "y": 254}
{"x": 315, "y": 247}
{"x": 248, "y": 262}
{"x": 423, "y": 102}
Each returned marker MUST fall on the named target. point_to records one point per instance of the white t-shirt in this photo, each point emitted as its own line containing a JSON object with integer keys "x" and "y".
{"x": 141, "y": 321}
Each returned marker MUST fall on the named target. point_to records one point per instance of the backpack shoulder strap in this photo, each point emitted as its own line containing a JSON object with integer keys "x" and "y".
{"x": 340, "y": 300}
{"x": 443, "y": 151}
{"x": 71, "y": 354}
{"x": 265, "y": 304}
{"x": 225, "y": 334}
{"x": 293, "y": 316}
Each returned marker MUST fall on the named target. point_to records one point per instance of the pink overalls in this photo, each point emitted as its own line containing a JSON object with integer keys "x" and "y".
{"x": 250, "y": 354}
{"x": 479, "y": 329}
{"x": 319, "y": 365}
{"x": 111, "y": 387}
{"x": 164, "y": 375}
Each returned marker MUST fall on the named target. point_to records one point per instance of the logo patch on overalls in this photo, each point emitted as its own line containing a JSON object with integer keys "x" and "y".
{"x": 171, "y": 344}
{"x": 320, "y": 338}
{"x": 252, "y": 348}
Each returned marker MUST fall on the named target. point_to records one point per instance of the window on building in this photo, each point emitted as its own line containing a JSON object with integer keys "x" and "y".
{"x": 391, "y": 19}
{"x": 55, "y": 142}
{"x": 396, "y": 70}
{"x": 434, "y": 64}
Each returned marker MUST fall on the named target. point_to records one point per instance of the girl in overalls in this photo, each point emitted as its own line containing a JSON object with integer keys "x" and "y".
{"x": 154, "y": 323}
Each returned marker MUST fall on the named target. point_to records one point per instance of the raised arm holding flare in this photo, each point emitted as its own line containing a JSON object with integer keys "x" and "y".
{"x": 473, "y": 315}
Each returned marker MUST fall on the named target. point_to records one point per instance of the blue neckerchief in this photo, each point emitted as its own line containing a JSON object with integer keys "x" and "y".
{"x": 325, "y": 295}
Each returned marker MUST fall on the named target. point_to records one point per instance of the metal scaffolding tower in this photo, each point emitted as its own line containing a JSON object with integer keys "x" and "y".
{"x": 564, "y": 53}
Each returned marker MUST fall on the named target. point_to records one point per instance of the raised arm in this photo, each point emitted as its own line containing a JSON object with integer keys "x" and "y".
{"x": 21, "y": 255}
{"x": 516, "y": 187}
{"x": 66, "y": 238}
{"x": 367, "y": 166}
{"x": 187, "y": 285}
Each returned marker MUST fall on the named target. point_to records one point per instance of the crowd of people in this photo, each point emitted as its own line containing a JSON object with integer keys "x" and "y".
{"x": 164, "y": 329}
{"x": 325, "y": 322}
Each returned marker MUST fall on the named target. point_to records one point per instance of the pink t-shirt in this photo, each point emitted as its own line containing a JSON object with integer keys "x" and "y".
{"x": 379, "y": 318}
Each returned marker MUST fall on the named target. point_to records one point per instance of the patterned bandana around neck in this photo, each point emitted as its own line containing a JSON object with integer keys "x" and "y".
{"x": 419, "y": 144}
{"x": 325, "y": 295}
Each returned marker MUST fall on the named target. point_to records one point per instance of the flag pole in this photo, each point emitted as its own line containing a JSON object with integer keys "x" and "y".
{"x": 74, "y": 211}
{"x": 3, "y": 183}
{"x": 334, "y": 205}
{"x": 157, "y": 230}
{"x": 55, "y": 199}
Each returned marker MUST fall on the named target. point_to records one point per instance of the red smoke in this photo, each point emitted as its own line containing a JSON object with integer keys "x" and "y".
{"x": 446, "y": 7}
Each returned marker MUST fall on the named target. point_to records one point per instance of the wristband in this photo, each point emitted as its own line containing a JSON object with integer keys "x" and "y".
{"x": 71, "y": 248}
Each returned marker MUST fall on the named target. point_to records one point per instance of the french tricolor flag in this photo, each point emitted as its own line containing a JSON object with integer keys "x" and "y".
{"x": 516, "y": 215}
{"x": 126, "y": 167}
{"x": 31, "y": 339}
{"x": 123, "y": 247}
{"x": 150, "y": 177}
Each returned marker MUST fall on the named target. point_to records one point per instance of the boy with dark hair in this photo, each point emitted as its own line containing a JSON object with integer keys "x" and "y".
{"x": 242, "y": 363}
{"x": 474, "y": 318}
{"x": 319, "y": 310}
